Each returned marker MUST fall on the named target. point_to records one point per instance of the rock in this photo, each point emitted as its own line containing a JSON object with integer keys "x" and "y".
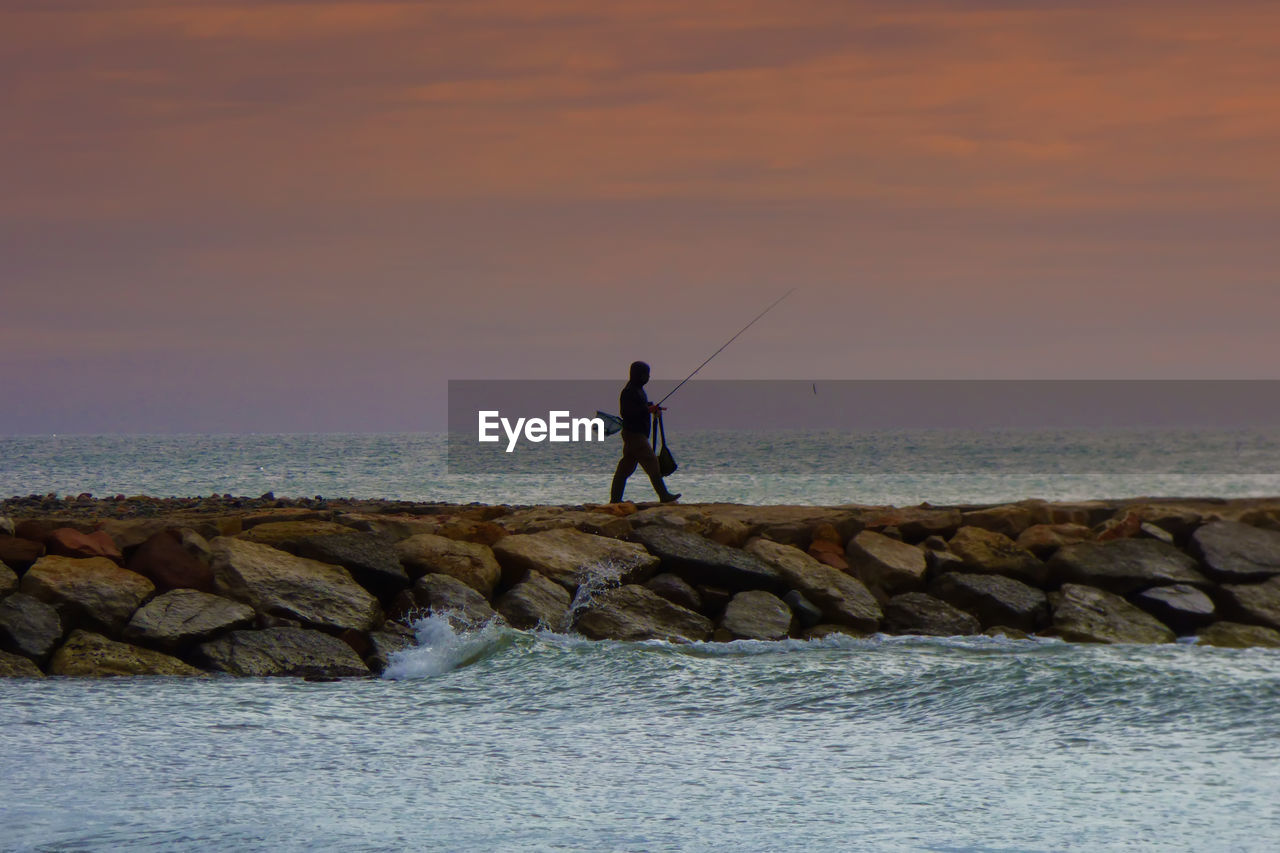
{"x": 1085, "y": 614}
{"x": 29, "y": 627}
{"x": 92, "y": 592}
{"x": 1178, "y": 521}
{"x": 921, "y": 613}
{"x": 567, "y": 555}
{"x": 397, "y": 527}
{"x": 1125, "y": 525}
{"x": 300, "y": 652}
{"x": 285, "y": 534}
{"x": 879, "y": 561}
{"x": 1123, "y": 565}
{"x": 701, "y": 561}
{"x": 1180, "y": 606}
{"x": 1254, "y": 604}
{"x": 989, "y": 553}
{"x": 174, "y": 559}
{"x": 447, "y": 596}
{"x": 536, "y": 602}
{"x": 820, "y": 632}
{"x": 371, "y": 559}
{"x": 182, "y": 617}
{"x": 757, "y": 615}
{"x": 541, "y": 519}
{"x": 1147, "y": 530}
{"x": 632, "y": 613}
{"x": 8, "y": 581}
{"x": 472, "y": 530}
{"x": 830, "y": 553}
{"x": 915, "y": 523}
{"x": 1006, "y": 632}
{"x": 1236, "y": 553}
{"x": 280, "y": 584}
{"x": 6, "y": 526}
{"x": 19, "y": 554}
{"x": 714, "y": 599}
{"x": 383, "y": 644}
{"x": 469, "y": 562}
{"x": 69, "y": 542}
{"x": 1045, "y": 539}
{"x": 807, "y": 614}
{"x": 1010, "y": 520}
{"x": 1233, "y": 635}
{"x": 728, "y": 531}
{"x": 994, "y": 599}
{"x": 16, "y": 666}
{"x": 675, "y": 589}
{"x": 843, "y": 600}
{"x": 88, "y": 654}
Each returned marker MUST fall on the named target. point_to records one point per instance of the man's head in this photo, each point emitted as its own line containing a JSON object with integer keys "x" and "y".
{"x": 639, "y": 372}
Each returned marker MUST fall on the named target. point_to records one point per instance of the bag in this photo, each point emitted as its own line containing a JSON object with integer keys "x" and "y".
{"x": 666, "y": 462}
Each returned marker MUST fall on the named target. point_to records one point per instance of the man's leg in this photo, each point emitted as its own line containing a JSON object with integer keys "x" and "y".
{"x": 649, "y": 462}
{"x": 626, "y": 467}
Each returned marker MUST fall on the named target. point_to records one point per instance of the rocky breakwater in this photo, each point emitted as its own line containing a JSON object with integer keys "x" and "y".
{"x": 332, "y": 589}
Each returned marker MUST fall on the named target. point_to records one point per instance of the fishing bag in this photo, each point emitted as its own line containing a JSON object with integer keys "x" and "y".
{"x": 666, "y": 462}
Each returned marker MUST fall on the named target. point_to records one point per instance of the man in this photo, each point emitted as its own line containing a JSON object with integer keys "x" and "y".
{"x": 637, "y": 413}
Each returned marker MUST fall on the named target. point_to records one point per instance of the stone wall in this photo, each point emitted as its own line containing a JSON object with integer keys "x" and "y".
{"x": 324, "y": 589}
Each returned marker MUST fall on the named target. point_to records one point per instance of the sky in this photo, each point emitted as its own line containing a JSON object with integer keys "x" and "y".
{"x": 244, "y": 216}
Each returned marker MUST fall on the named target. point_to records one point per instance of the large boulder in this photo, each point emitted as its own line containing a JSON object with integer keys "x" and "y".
{"x": 279, "y": 584}
{"x": 282, "y": 652}
{"x": 29, "y": 627}
{"x": 994, "y": 599}
{"x": 535, "y": 602}
{"x": 1233, "y": 635}
{"x": 885, "y": 563}
{"x": 19, "y": 553}
{"x": 370, "y": 557}
{"x": 393, "y": 638}
{"x": 1180, "y": 606}
{"x": 174, "y": 558}
{"x": 69, "y": 542}
{"x": 1254, "y": 604}
{"x": 1085, "y": 614}
{"x": 1045, "y": 539}
{"x": 989, "y": 553}
{"x": 93, "y": 592}
{"x": 88, "y": 654}
{"x": 1123, "y": 565}
{"x": 8, "y": 581}
{"x": 16, "y": 666}
{"x": 676, "y": 589}
{"x": 703, "y": 562}
{"x": 915, "y": 523}
{"x": 469, "y": 562}
{"x": 1237, "y": 553}
{"x": 445, "y": 595}
{"x": 631, "y": 613}
{"x": 757, "y": 615}
{"x": 568, "y": 556}
{"x": 843, "y": 600}
{"x": 921, "y": 613}
{"x": 181, "y": 617}
{"x": 1010, "y": 519}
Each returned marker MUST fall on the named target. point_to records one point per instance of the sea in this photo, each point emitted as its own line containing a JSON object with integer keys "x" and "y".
{"x": 498, "y": 739}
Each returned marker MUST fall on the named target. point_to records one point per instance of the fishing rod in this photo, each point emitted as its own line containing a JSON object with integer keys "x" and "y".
{"x": 726, "y": 343}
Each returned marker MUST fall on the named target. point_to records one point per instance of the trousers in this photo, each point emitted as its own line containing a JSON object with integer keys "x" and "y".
{"x": 636, "y": 451}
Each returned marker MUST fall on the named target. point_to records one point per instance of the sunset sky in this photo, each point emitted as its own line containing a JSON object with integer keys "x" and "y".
{"x": 307, "y": 216}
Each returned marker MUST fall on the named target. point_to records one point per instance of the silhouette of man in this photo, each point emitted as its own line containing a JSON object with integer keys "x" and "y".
{"x": 637, "y": 413}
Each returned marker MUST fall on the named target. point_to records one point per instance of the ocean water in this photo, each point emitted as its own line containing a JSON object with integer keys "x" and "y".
{"x": 900, "y": 467}
{"x": 508, "y": 740}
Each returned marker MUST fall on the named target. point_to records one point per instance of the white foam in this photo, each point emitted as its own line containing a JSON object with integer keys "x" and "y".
{"x": 442, "y": 649}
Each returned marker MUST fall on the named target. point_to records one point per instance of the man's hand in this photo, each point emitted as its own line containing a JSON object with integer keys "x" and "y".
{"x": 654, "y": 408}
